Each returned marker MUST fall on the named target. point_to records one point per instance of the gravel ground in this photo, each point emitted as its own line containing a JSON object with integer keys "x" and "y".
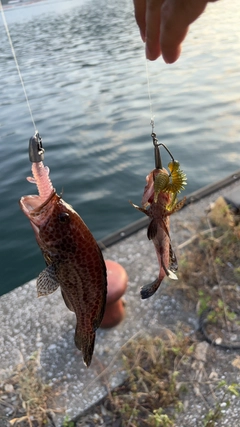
{"x": 207, "y": 369}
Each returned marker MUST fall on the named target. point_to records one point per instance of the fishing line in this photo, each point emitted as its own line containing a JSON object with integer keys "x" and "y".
{"x": 149, "y": 95}
{"x": 158, "y": 160}
{"x": 16, "y": 62}
{"x": 156, "y": 144}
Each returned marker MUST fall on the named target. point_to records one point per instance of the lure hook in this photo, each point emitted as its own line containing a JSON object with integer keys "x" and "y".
{"x": 36, "y": 150}
{"x": 158, "y": 160}
{"x": 169, "y": 152}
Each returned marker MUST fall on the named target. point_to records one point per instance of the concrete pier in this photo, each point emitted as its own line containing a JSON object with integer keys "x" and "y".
{"x": 29, "y": 324}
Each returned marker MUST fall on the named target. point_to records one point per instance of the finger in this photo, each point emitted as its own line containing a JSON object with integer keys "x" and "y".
{"x": 176, "y": 16}
{"x": 153, "y": 20}
{"x": 140, "y": 16}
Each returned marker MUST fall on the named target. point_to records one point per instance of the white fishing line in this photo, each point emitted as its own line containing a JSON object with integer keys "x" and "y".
{"x": 149, "y": 95}
{"x": 16, "y": 62}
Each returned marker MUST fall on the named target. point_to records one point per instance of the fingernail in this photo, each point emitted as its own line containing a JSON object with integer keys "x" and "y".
{"x": 165, "y": 60}
{"x": 171, "y": 55}
{"x": 152, "y": 54}
{"x": 149, "y": 54}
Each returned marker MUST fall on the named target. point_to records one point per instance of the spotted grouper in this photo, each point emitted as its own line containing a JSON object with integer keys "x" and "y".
{"x": 74, "y": 260}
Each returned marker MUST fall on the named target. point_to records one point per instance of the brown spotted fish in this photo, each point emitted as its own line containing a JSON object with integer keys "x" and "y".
{"x": 74, "y": 260}
{"x": 159, "y": 201}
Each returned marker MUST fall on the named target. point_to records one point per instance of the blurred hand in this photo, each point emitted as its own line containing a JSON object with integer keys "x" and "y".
{"x": 164, "y": 25}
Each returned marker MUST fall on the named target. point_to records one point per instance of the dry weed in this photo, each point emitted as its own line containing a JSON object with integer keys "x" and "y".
{"x": 152, "y": 366}
{"x": 30, "y": 401}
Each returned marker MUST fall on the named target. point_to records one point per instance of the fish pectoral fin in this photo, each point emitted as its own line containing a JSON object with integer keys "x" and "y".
{"x": 67, "y": 302}
{"x": 31, "y": 180}
{"x": 139, "y": 209}
{"x": 152, "y": 230}
{"x": 47, "y": 282}
{"x": 150, "y": 289}
{"x": 179, "y": 205}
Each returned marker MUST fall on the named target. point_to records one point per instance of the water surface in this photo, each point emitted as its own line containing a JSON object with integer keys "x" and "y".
{"x": 84, "y": 70}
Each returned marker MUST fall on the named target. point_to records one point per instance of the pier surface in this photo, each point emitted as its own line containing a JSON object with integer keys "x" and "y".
{"x": 29, "y": 324}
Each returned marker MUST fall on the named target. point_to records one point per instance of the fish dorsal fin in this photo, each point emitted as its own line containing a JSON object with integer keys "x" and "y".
{"x": 47, "y": 282}
{"x": 152, "y": 230}
{"x": 67, "y": 302}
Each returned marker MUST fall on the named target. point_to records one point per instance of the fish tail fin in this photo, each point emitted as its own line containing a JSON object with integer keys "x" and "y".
{"x": 85, "y": 343}
{"x": 172, "y": 275}
{"x": 150, "y": 289}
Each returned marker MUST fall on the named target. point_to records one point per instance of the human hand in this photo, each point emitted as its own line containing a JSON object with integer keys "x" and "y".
{"x": 164, "y": 25}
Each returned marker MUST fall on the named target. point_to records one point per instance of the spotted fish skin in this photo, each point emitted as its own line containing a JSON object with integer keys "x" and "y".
{"x": 74, "y": 262}
{"x": 158, "y": 207}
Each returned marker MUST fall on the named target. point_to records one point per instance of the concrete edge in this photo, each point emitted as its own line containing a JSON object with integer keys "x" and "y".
{"x": 193, "y": 197}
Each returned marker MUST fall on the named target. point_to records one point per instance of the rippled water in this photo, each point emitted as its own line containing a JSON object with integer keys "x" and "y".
{"x": 84, "y": 70}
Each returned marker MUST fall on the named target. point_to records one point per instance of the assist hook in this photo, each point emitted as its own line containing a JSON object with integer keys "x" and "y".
{"x": 36, "y": 150}
{"x": 158, "y": 160}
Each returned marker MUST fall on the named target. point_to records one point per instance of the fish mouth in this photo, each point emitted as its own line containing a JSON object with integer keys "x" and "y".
{"x": 35, "y": 208}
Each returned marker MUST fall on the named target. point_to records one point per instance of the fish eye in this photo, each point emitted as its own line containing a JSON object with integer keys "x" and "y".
{"x": 64, "y": 217}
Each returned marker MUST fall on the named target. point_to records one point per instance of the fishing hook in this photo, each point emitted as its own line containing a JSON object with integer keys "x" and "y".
{"x": 169, "y": 152}
{"x": 36, "y": 150}
{"x": 158, "y": 160}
